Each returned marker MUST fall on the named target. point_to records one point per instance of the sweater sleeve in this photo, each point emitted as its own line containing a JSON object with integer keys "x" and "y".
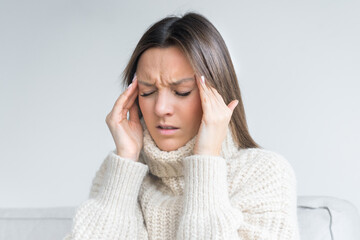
{"x": 112, "y": 210}
{"x": 264, "y": 209}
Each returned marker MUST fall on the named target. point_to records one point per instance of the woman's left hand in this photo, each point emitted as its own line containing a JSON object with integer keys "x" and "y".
{"x": 215, "y": 119}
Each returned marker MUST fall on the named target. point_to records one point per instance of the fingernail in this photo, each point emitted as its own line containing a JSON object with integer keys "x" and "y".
{"x": 129, "y": 86}
{"x": 202, "y": 79}
{"x": 134, "y": 77}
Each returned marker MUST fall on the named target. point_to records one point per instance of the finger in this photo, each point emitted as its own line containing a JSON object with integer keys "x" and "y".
{"x": 204, "y": 85}
{"x": 202, "y": 90}
{"x": 125, "y": 98}
{"x": 206, "y": 102}
{"x": 232, "y": 105}
{"x": 128, "y": 92}
{"x": 127, "y": 107}
{"x": 216, "y": 101}
{"x": 213, "y": 96}
{"x": 131, "y": 99}
{"x": 218, "y": 97}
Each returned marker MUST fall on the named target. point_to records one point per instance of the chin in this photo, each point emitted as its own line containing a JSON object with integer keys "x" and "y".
{"x": 168, "y": 145}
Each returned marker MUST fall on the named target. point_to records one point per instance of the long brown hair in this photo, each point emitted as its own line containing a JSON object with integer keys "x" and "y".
{"x": 207, "y": 52}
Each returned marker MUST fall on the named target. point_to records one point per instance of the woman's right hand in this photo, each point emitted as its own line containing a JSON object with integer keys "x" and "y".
{"x": 127, "y": 133}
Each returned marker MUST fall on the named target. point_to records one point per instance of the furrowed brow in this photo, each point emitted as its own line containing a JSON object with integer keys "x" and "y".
{"x": 178, "y": 82}
{"x": 145, "y": 83}
{"x": 181, "y": 81}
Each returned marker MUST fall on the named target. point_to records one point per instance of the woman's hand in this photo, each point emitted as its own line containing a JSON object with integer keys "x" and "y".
{"x": 215, "y": 120}
{"x": 127, "y": 133}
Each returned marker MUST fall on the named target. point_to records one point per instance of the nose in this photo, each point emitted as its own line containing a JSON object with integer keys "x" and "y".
{"x": 163, "y": 105}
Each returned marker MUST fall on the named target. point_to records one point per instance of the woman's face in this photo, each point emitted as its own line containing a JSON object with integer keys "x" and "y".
{"x": 168, "y": 97}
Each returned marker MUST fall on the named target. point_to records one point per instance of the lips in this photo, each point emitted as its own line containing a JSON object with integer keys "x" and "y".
{"x": 164, "y": 126}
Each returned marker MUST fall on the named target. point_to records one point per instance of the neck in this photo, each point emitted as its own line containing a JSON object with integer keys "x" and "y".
{"x": 169, "y": 164}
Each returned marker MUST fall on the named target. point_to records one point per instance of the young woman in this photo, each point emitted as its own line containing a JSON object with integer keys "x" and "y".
{"x": 185, "y": 165}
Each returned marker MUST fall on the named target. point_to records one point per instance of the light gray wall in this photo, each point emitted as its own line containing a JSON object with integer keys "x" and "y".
{"x": 60, "y": 63}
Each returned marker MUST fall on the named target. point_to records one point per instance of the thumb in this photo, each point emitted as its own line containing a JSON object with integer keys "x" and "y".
{"x": 233, "y": 104}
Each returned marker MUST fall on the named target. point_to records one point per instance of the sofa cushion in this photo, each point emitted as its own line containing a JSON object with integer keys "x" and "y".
{"x": 319, "y": 218}
{"x": 327, "y": 218}
{"x": 35, "y": 223}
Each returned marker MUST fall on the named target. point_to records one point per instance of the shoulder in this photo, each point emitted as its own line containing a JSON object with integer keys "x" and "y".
{"x": 257, "y": 163}
{"x": 260, "y": 180}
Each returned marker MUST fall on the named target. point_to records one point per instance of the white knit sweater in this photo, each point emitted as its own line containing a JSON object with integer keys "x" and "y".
{"x": 243, "y": 194}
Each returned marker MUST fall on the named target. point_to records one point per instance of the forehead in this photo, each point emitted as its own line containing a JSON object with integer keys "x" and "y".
{"x": 163, "y": 65}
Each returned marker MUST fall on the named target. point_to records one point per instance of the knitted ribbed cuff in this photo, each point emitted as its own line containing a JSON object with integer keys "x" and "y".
{"x": 205, "y": 181}
{"x": 122, "y": 183}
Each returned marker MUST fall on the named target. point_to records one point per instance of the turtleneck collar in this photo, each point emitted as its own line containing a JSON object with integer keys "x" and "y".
{"x": 169, "y": 164}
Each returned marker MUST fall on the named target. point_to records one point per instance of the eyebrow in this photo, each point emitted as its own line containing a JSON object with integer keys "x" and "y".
{"x": 178, "y": 82}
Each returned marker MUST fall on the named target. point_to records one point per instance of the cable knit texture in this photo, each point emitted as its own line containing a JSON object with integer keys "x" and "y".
{"x": 241, "y": 194}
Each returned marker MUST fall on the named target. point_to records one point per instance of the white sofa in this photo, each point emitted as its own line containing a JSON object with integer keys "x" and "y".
{"x": 319, "y": 217}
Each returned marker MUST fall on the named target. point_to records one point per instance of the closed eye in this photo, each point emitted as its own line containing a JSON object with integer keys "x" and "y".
{"x": 145, "y": 94}
{"x": 183, "y": 94}
{"x": 177, "y": 93}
